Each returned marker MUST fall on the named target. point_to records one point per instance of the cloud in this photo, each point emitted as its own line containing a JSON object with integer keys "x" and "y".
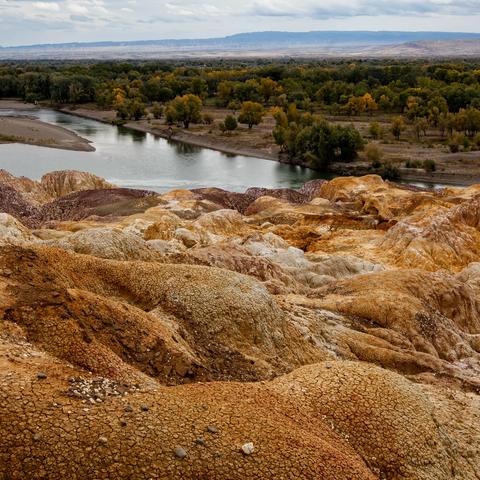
{"x": 356, "y": 8}
{"x": 80, "y": 18}
{"x": 41, "y": 21}
{"x": 48, "y": 6}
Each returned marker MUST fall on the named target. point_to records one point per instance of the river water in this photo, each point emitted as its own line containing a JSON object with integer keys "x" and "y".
{"x": 141, "y": 160}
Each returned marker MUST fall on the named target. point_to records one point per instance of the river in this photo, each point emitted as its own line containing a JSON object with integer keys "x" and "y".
{"x": 140, "y": 160}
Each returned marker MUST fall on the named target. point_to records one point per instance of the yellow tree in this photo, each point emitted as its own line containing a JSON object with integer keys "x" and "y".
{"x": 355, "y": 106}
{"x": 251, "y": 114}
{"x": 370, "y": 103}
{"x": 186, "y": 109}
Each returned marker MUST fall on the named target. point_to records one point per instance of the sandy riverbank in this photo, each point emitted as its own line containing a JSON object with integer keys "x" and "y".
{"x": 31, "y": 131}
{"x": 17, "y": 104}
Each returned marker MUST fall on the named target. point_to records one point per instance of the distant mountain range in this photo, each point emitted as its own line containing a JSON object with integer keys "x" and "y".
{"x": 316, "y": 43}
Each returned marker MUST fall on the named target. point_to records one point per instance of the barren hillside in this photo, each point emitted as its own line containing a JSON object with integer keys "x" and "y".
{"x": 330, "y": 332}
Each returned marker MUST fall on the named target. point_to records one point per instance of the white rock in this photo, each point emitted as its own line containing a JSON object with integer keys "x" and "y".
{"x": 248, "y": 448}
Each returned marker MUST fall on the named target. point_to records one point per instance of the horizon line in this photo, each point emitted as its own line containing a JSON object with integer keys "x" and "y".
{"x": 190, "y": 39}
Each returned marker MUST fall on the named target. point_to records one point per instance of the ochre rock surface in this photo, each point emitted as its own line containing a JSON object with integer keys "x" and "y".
{"x": 336, "y": 328}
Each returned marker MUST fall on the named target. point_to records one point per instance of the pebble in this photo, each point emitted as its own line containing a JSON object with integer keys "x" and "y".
{"x": 129, "y": 408}
{"x": 180, "y": 452}
{"x": 103, "y": 439}
{"x": 200, "y": 441}
{"x": 248, "y": 448}
{"x": 37, "y": 437}
{"x": 41, "y": 376}
{"x": 144, "y": 408}
{"x": 212, "y": 429}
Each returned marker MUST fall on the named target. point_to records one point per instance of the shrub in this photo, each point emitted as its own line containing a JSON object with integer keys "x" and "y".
{"x": 389, "y": 171}
{"x": 413, "y": 164}
{"x": 455, "y": 142}
{"x": 429, "y": 165}
{"x": 231, "y": 123}
{"x": 207, "y": 119}
{"x": 374, "y": 154}
{"x": 375, "y": 130}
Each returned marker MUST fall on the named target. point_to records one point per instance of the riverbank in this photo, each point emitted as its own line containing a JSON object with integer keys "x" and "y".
{"x": 452, "y": 169}
{"x": 250, "y": 143}
{"x": 31, "y": 131}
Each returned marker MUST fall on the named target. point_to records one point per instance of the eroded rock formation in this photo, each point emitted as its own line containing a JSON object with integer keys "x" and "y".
{"x": 331, "y": 332}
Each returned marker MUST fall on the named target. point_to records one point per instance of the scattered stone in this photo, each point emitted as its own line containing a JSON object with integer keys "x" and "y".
{"x": 144, "y": 408}
{"x": 37, "y": 436}
{"x": 248, "y": 448}
{"x": 212, "y": 429}
{"x": 129, "y": 408}
{"x": 95, "y": 390}
{"x": 180, "y": 452}
{"x": 200, "y": 441}
{"x": 103, "y": 440}
{"x": 123, "y": 423}
{"x": 41, "y": 376}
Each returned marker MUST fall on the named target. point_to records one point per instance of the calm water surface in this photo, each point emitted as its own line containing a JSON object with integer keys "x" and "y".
{"x": 141, "y": 160}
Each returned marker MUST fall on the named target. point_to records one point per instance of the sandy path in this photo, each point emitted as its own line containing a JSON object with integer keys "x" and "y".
{"x": 34, "y": 132}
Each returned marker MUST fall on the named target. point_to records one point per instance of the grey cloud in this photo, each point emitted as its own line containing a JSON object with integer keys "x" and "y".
{"x": 364, "y": 8}
{"x": 80, "y": 18}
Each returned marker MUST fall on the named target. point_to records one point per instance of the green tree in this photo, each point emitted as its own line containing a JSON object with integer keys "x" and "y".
{"x": 158, "y": 110}
{"x": 472, "y": 123}
{"x": 137, "y": 109}
{"x": 280, "y": 136}
{"x": 230, "y": 123}
{"x": 131, "y": 109}
{"x": 420, "y": 125}
{"x": 234, "y": 106}
{"x": 251, "y": 114}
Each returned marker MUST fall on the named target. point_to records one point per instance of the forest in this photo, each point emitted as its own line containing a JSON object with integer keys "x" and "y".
{"x": 418, "y": 96}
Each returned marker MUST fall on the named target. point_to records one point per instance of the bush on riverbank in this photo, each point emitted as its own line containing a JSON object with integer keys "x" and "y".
{"x": 315, "y": 141}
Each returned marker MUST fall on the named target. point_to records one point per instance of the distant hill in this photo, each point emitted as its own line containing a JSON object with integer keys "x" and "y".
{"x": 316, "y": 43}
{"x": 432, "y": 49}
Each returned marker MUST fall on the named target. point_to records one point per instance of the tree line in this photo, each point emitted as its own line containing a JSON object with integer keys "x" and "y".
{"x": 340, "y": 87}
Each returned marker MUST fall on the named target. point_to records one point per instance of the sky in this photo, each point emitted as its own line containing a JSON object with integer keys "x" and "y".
{"x": 24, "y": 22}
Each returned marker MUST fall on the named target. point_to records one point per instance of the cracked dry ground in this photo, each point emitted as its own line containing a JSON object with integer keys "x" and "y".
{"x": 142, "y": 336}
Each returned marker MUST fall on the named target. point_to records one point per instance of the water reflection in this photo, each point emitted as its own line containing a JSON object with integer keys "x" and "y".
{"x": 184, "y": 148}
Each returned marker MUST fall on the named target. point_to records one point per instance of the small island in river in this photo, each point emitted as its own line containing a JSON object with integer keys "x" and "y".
{"x": 23, "y": 129}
